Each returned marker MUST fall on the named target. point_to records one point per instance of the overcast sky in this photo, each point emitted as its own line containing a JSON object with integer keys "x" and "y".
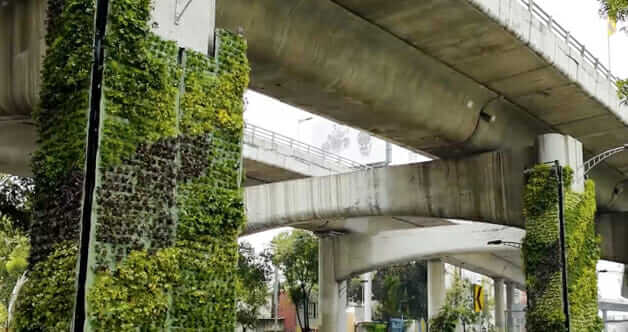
{"x": 580, "y": 17}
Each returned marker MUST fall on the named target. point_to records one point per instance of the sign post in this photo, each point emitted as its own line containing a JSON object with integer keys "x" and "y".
{"x": 478, "y": 298}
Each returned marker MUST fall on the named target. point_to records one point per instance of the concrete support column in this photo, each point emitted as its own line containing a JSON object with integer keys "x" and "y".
{"x": 604, "y": 318}
{"x": 510, "y": 300}
{"x": 624, "y": 287}
{"x": 567, "y": 150}
{"x": 499, "y": 305}
{"x": 435, "y": 287}
{"x": 367, "y": 283}
{"x": 332, "y": 295}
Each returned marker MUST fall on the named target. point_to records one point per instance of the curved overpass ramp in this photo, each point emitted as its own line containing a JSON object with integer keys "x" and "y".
{"x": 485, "y": 188}
{"x": 461, "y": 244}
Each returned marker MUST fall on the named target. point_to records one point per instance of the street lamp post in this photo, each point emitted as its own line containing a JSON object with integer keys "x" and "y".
{"x": 563, "y": 253}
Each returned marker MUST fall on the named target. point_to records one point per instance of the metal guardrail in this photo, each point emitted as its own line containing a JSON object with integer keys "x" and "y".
{"x": 252, "y": 131}
{"x": 561, "y": 32}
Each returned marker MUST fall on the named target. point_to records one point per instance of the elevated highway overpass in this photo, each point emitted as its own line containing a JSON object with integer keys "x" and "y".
{"x": 272, "y": 157}
{"x": 485, "y": 188}
{"x": 447, "y": 77}
{"x": 453, "y": 78}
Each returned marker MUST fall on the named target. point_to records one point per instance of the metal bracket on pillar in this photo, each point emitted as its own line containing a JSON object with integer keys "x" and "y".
{"x": 591, "y": 163}
{"x": 178, "y": 14}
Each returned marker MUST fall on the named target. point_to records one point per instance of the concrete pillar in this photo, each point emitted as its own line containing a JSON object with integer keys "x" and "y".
{"x": 499, "y": 305}
{"x": 624, "y": 288}
{"x": 367, "y": 283}
{"x": 435, "y": 287}
{"x": 604, "y": 318}
{"x": 332, "y": 295}
{"x": 510, "y": 300}
{"x": 567, "y": 150}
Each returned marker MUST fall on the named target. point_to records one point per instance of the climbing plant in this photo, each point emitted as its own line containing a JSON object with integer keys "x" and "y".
{"x": 541, "y": 254}
{"x": 168, "y": 205}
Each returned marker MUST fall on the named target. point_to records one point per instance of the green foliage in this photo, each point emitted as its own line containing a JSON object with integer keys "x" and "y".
{"x": 3, "y": 314}
{"x": 141, "y": 82}
{"x": 62, "y": 116}
{"x": 617, "y": 10}
{"x": 252, "y": 287}
{"x": 401, "y": 290}
{"x": 15, "y": 200}
{"x": 541, "y": 254}
{"x": 296, "y": 255}
{"x": 15, "y": 214}
{"x": 14, "y": 249}
{"x": 167, "y": 182}
{"x": 375, "y": 327}
{"x": 136, "y": 294}
{"x": 458, "y": 309}
{"x": 623, "y": 90}
{"x": 47, "y": 298}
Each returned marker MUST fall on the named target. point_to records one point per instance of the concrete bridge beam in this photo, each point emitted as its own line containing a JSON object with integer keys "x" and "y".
{"x": 485, "y": 187}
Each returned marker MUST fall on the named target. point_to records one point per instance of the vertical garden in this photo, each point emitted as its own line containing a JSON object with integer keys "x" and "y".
{"x": 167, "y": 205}
{"x": 541, "y": 253}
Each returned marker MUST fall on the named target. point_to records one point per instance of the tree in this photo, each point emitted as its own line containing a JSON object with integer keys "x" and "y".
{"x": 252, "y": 284}
{"x": 458, "y": 308}
{"x": 355, "y": 290}
{"x": 15, "y": 200}
{"x": 617, "y": 10}
{"x": 14, "y": 244}
{"x": 296, "y": 255}
{"x": 401, "y": 290}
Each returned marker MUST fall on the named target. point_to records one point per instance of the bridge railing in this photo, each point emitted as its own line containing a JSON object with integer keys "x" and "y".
{"x": 253, "y": 134}
{"x": 560, "y": 31}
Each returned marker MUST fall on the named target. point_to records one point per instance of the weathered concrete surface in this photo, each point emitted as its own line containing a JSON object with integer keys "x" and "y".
{"x": 22, "y": 45}
{"x": 485, "y": 187}
{"x": 465, "y": 245}
{"x": 418, "y": 73}
{"x": 332, "y": 295}
{"x": 613, "y": 228}
{"x": 194, "y": 29}
{"x": 17, "y": 143}
{"x": 402, "y": 70}
{"x": 315, "y": 54}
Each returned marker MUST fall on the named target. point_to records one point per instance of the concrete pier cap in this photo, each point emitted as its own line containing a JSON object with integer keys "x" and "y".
{"x": 567, "y": 150}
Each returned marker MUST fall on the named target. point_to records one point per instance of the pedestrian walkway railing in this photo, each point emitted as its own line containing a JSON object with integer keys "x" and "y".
{"x": 538, "y": 12}
{"x": 258, "y": 136}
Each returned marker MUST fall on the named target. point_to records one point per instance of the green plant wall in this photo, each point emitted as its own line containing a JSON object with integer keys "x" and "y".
{"x": 168, "y": 206}
{"x": 541, "y": 254}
